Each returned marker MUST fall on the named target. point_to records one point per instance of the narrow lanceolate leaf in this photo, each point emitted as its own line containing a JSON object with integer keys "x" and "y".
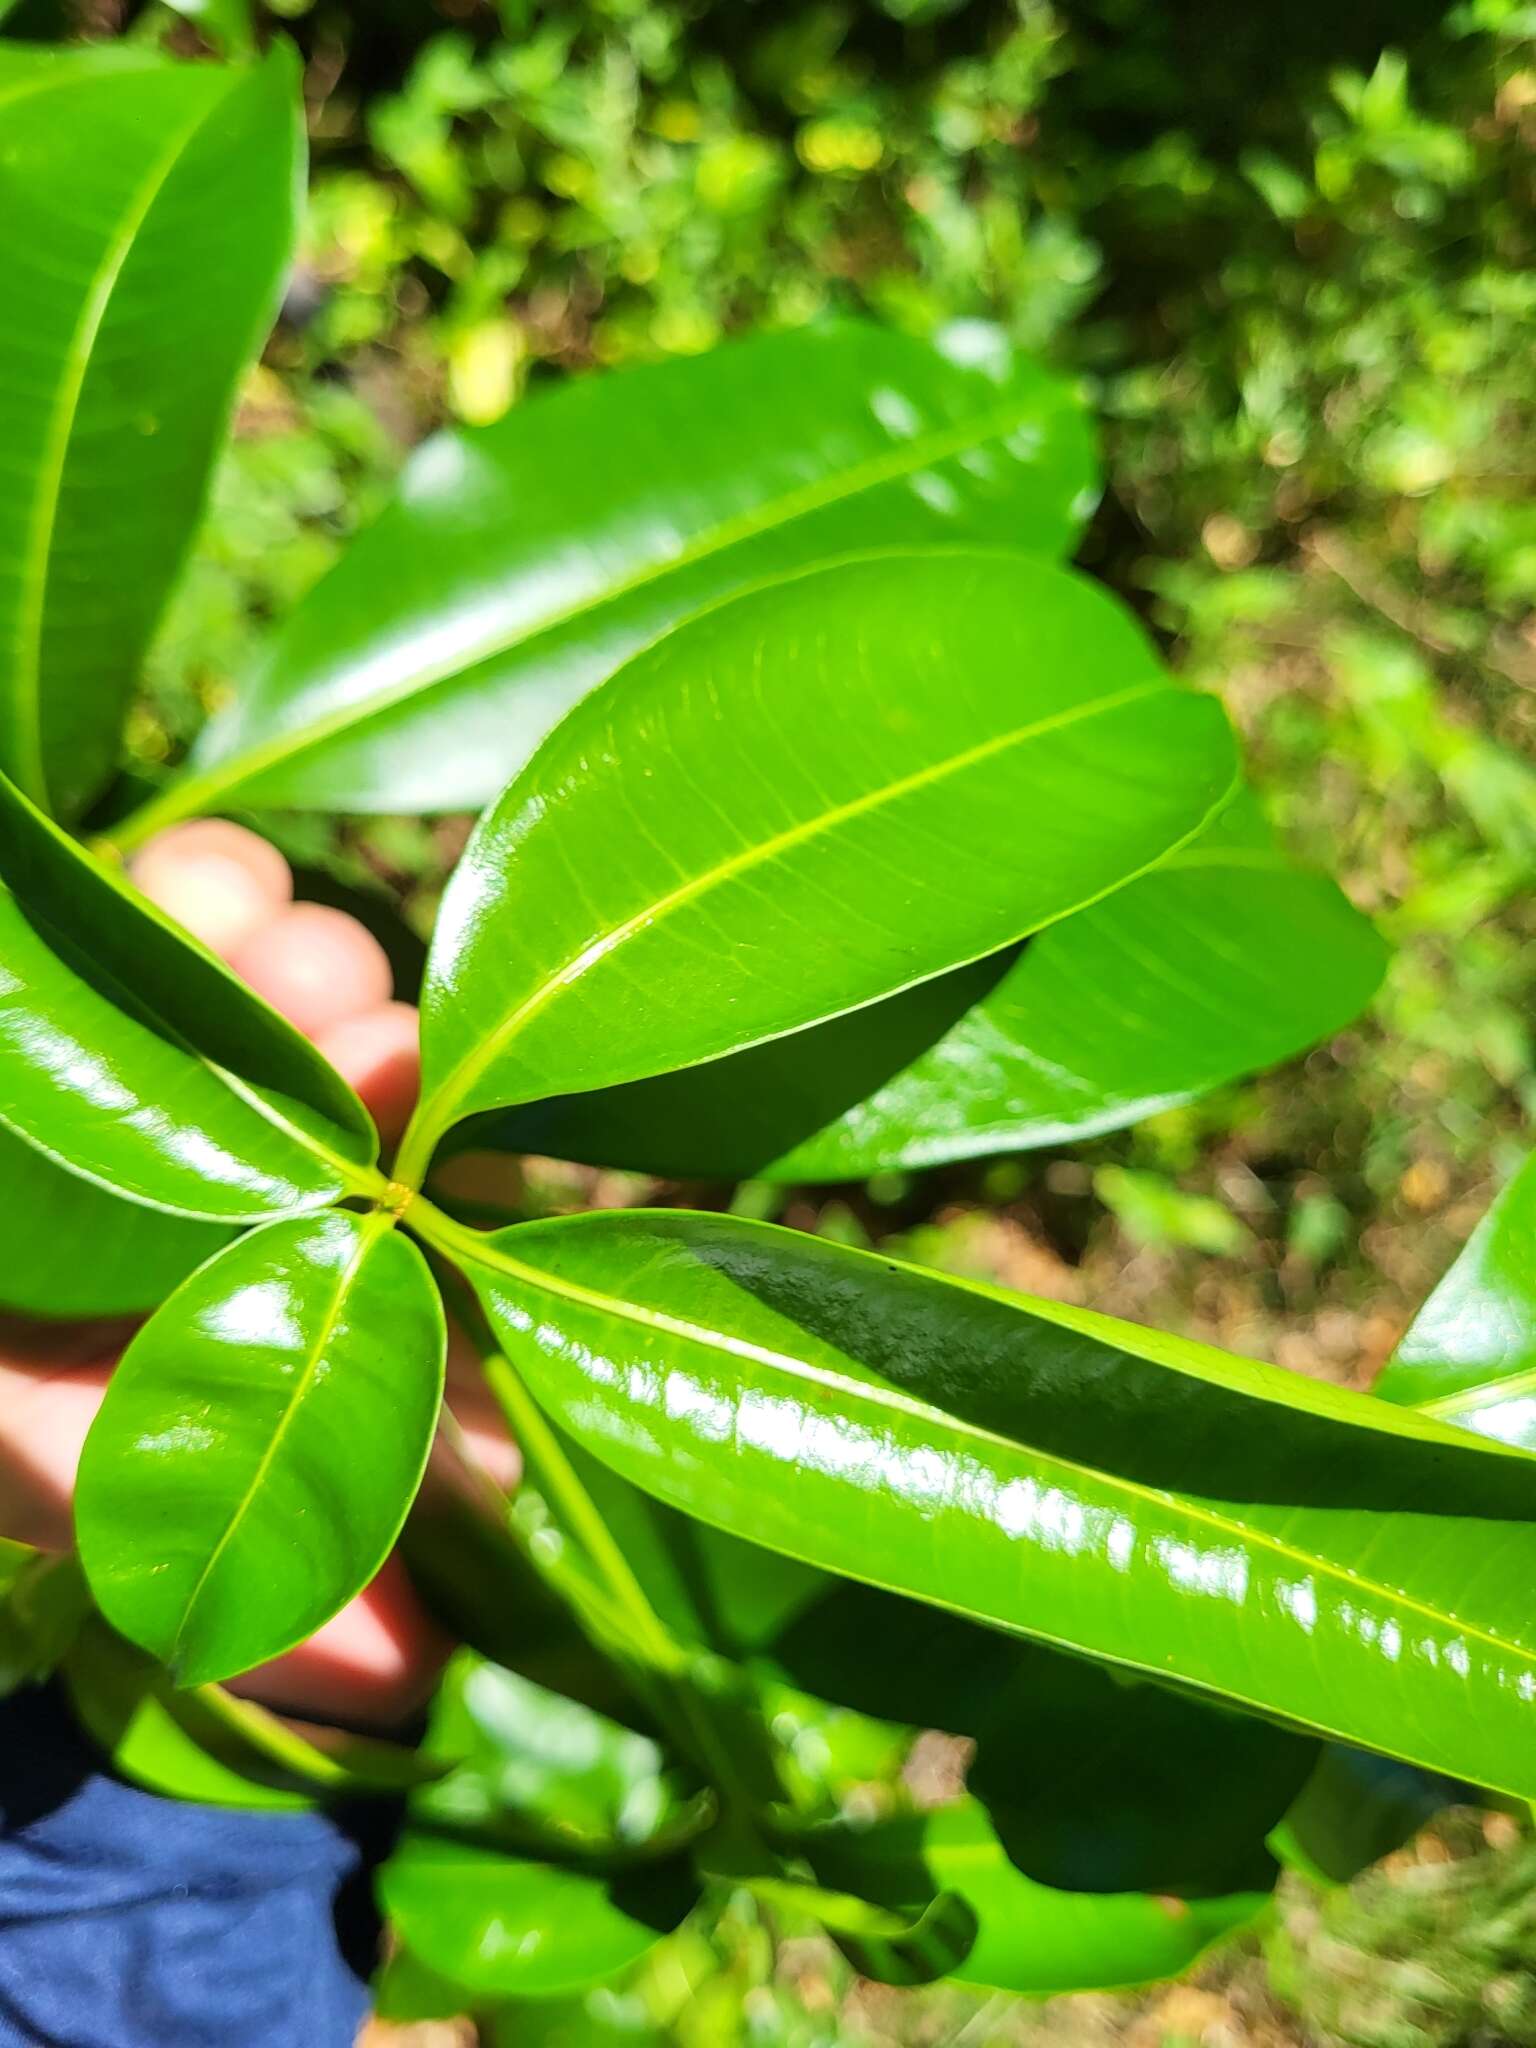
{"x": 69, "y": 1248}
{"x": 1317, "y": 1555}
{"x": 1470, "y": 1353}
{"x": 1223, "y": 959}
{"x": 261, "y": 1441}
{"x": 1029, "y": 1937}
{"x": 146, "y": 217}
{"x": 132, "y": 1057}
{"x": 813, "y": 796}
{"x": 521, "y": 563}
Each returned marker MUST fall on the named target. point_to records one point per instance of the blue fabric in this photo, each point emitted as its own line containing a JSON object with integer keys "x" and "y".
{"x": 129, "y": 1921}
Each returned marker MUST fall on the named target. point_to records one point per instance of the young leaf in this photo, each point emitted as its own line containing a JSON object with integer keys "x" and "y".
{"x": 1030, "y": 1938}
{"x": 1469, "y": 1356}
{"x": 130, "y": 1056}
{"x": 147, "y": 215}
{"x": 72, "y": 1249}
{"x": 810, "y": 797}
{"x": 521, "y": 563}
{"x": 260, "y": 1443}
{"x": 1222, "y": 960}
{"x": 1310, "y": 1553}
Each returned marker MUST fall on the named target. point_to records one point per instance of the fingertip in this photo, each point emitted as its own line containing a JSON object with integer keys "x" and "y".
{"x": 379, "y": 1053}
{"x": 317, "y": 965}
{"x": 219, "y": 881}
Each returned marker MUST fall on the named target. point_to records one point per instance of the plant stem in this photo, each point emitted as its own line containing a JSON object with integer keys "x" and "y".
{"x": 188, "y": 797}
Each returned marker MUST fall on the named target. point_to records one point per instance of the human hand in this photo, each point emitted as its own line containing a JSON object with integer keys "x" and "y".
{"x": 378, "y": 1660}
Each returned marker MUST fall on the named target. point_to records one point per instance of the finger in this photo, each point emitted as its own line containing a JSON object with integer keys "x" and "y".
{"x": 218, "y": 880}
{"x": 379, "y": 1053}
{"x": 317, "y": 965}
{"x": 48, "y": 1406}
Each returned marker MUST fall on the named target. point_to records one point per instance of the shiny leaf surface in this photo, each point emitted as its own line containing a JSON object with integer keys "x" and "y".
{"x": 260, "y": 1443}
{"x": 1311, "y": 1553}
{"x": 135, "y": 1256}
{"x": 1469, "y": 1356}
{"x": 147, "y": 215}
{"x": 1222, "y": 960}
{"x": 521, "y": 563}
{"x": 813, "y": 796}
{"x": 508, "y": 1928}
{"x": 136, "y": 1060}
{"x": 1029, "y": 1938}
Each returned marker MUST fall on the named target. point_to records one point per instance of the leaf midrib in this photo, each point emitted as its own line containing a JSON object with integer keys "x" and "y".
{"x": 370, "y": 1230}
{"x": 34, "y": 567}
{"x": 906, "y": 459}
{"x": 452, "y": 1091}
{"x": 878, "y": 1396}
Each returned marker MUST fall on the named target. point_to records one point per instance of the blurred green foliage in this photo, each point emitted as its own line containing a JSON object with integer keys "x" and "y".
{"x": 1290, "y": 255}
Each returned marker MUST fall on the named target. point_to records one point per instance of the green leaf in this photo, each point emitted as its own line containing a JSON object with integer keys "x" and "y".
{"x": 521, "y": 563}
{"x": 1030, "y": 1938}
{"x": 1469, "y": 1356}
{"x": 43, "y": 1602}
{"x": 1303, "y": 1551}
{"x": 914, "y": 1947}
{"x": 812, "y": 796}
{"x": 260, "y": 1443}
{"x": 506, "y": 1928}
{"x": 135, "y": 1257}
{"x": 147, "y": 215}
{"x": 1220, "y": 960}
{"x": 1145, "y": 1788}
{"x": 132, "y": 1057}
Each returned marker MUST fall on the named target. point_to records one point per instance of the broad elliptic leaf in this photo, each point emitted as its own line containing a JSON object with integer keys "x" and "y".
{"x": 129, "y": 1055}
{"x": 1469, "y": 1356}
{"x": 147, "y": 215}
{"x": 812, "y": 796}
{"x": 261, "y": 1441}
{"x": 72, "y": 1249}
{"x": 1221, "y": 960}
{"x": 520, "y": 563}
{"x": 505, "y": 1927}
{"x": 1030, "y": 1938}
{"x": 1307, "y": 1552}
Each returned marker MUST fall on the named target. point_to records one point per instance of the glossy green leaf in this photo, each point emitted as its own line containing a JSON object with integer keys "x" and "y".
{"x": 72, "y": 1249}
{"x": 508, "y": 1928}
{"x": 261, "y": 1441}
{"x": 1469, "y": 1356}
{"x": 1030, "y": 1938}
{"x": 810, "y": 797}
{"x": 1311, "y": 1553}
{"x": 147, "y": 214}
{"x": 1221, "y": 960}
{"x": 521, "y": 563}
{"x": 132, "y": 1057}
{"x": 1093, "y": 1781}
